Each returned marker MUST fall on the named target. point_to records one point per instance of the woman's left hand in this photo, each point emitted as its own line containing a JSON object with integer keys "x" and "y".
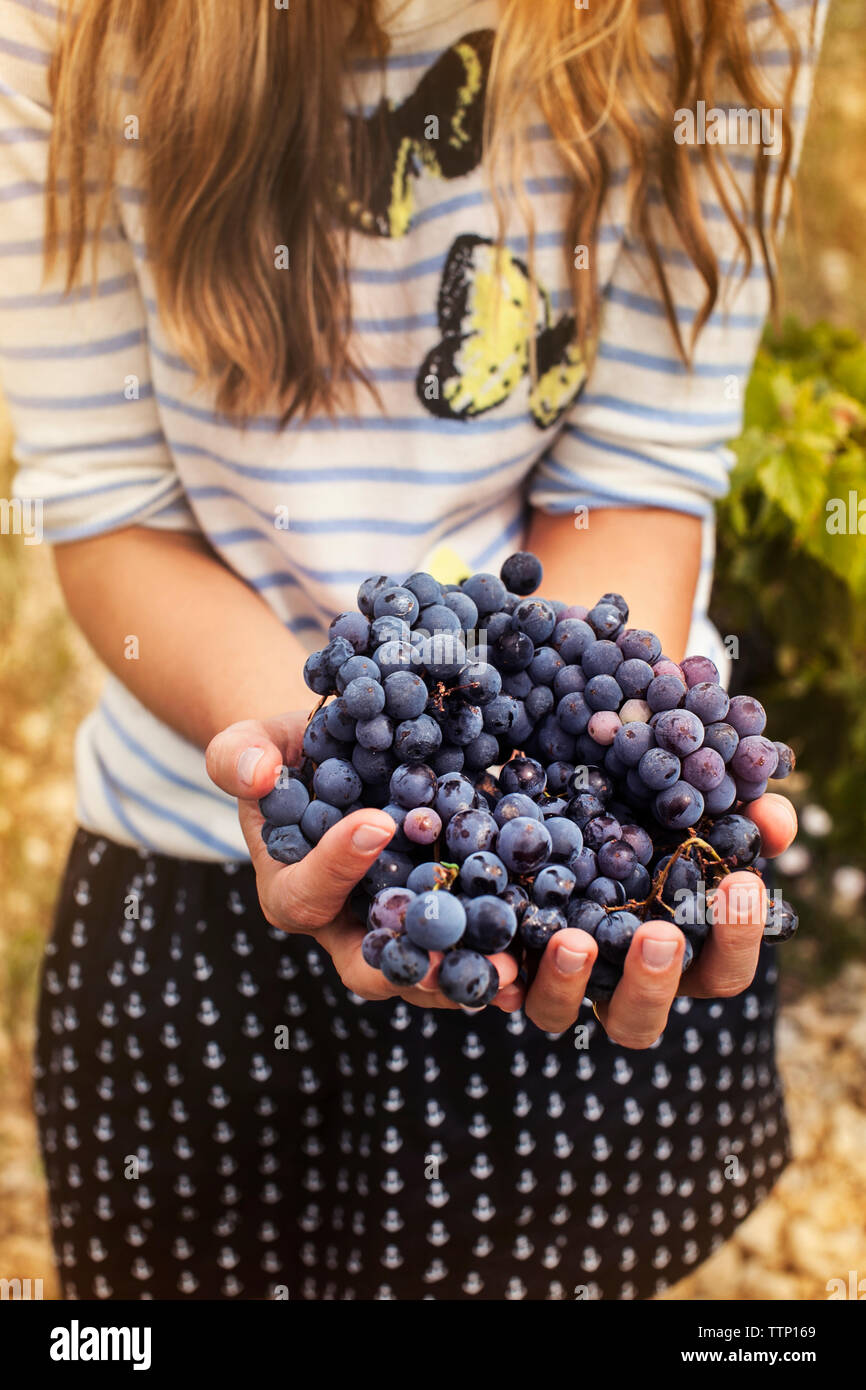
{"x": 637, "y": 1013}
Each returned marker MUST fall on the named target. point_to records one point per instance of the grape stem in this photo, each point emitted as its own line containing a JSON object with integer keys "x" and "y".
{"x": 691, "y": 842}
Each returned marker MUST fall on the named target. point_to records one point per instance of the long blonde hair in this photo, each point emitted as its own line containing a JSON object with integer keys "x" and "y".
{"x": 246, "y": 144}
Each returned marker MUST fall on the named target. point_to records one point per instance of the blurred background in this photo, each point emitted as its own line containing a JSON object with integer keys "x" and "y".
{"x": 792, "y": 592}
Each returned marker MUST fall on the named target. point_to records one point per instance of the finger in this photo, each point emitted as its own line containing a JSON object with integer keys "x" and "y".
{"x": 638, "y": 1011}
{"x": 245, "y": 758}
{"x": 314, "y": 890}
{"x": 727, "y": 963}
{"x": 343, "y": 939}
{"x": 776, "y": 819}
{"x": 558, "y": 989}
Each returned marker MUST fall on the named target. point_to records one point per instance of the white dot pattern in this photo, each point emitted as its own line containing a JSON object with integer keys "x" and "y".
{"x": 389, "y": 1152}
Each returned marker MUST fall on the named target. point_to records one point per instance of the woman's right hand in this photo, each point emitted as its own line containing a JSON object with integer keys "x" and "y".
{"x": 311, "y": 896}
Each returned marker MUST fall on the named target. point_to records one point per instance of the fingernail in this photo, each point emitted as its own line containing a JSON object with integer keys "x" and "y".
{"x": 569, "y": 962}
{"x": 247, "y": 764}
{"x": 369, "y": 837}
{"x": 658, "y": 954}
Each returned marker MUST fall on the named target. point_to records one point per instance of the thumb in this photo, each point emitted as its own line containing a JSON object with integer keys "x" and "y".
{"x": 245, "y": 758}
{"x": 317, "y": 886}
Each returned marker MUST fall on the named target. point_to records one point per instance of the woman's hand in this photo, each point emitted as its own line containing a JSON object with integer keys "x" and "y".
{"x": 310, "y": 896}
{"x": 638, "y": 1010}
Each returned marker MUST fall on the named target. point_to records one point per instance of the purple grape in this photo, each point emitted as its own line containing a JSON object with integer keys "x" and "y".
{"x": 640, "y": 842}
{"x": 781, "y": 922}
{"x": 599, "y": 829}
{"x": 679, "y": 731}
{"x": 602, "y": 659}
{"x": 414, "y": 784}
{"x": 639, "y": 645}
{"x": 454, "y": 792}
{"x": 490, "y": 925}
{"x": 515, "y": 804}
{"x": 390, "y": 870}
{"x": 539, "y": 924}
{"x": 544, "y": 666}
{"x": 523, "y": 775}
{"x": 405, "y": 695}
{"x": 566, "y": 837}
{"x": 375, "y": 734}
{"x": 483, "y": 873}
{"x": 787, "y": 761}
{"x": 568, "y": 681}
{"x": 471, "y": 831}
{"x": 585, "y": 915}
{"x": 388, "y": 909}
{"x": 553, "y": 886}
{"x": 665, "y": 692}
{"x": 723, "y": 738}
{"x": 468, "y": 978}
{"x": 336, "y": 782}
{"x": 521, "y": 573}
{"x": 402, "y": 962}
{"x": 614, "y": 935}
{"x": 356, "y": 666}
{"x": 571, "y": 637}
{"x": 584, "y": 866}
{"x": 287, "y": 844}
{"x": 486, "y": 591}
{"x": 427, "y": 876}
{"x": 755, "y": 760}
{"x": 747, "y": 715}
{"x": 634, "y": 677}
{"x": 422, "y": 825}
{"x": 536, "y": 618}
{"x": 704, "y": 769}
{"x": 709, "y": 701}
{"x": 582, "y": 807}
{"x": 699, "y": 670}
{"x": 607, "y": 892}
{"x": 605, "y": 619}
{"x": 722, "y": 797}
{"x": 616, "y": 859}
{"x": 632, "y": 742}
{"x": 285, "y": 805}
{"x": 524, "y": 845}
{"x": 363, "y": 698}
{"x": 679, "y": 806}
{"x": 317, "y": 820}
{"x": 373, "y": 944}
{"x": 736, "y": 839}
{"x": 435, "y": 920}
{"x": 426, "y": 589}
{"x": 603, "y": 693}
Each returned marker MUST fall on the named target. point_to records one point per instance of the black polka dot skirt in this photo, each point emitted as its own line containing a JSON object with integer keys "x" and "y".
{"x": 221, "y": 1119}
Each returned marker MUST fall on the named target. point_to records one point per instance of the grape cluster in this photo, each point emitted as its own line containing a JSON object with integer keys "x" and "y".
{"x": 622, "y": 789}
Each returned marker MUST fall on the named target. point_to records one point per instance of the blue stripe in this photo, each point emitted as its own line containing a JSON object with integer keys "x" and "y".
{"x": 140, "y": 441}
{"x": 54, "y": 298}
{"x": 608, "y": 498}
{"x": 115, "y": 806}
{"x": 370, "y": 473}
{"x": 642, "y": 304}
{"x": 101, "y": 402}
{"x": 24, "y": 51}
{"x": 34, "y": 246}
{"x": 671, "y": 366}
{"x": 624, "y": 451}
{"x": 132, "y": 744}
{"x": 39, "y": 7}
{"x": 58, "y": 352}
{"x": 165, "y": 813}
{"x": 97, "y": 491}
{"x": 376, "y": 424}
{"x": 23, "y": 135}
{"x": 56, "y": 535}
{"x": 723, "y": 419}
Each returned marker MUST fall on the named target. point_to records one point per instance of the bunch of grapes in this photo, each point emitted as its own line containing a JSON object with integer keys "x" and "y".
{"x": 545, "y": 766}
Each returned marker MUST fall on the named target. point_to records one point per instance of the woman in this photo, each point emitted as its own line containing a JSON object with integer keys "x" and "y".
{"x": 369, "y": 280}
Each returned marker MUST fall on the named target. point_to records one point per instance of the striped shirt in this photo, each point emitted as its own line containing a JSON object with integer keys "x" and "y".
{"x": 111, "y": 430}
